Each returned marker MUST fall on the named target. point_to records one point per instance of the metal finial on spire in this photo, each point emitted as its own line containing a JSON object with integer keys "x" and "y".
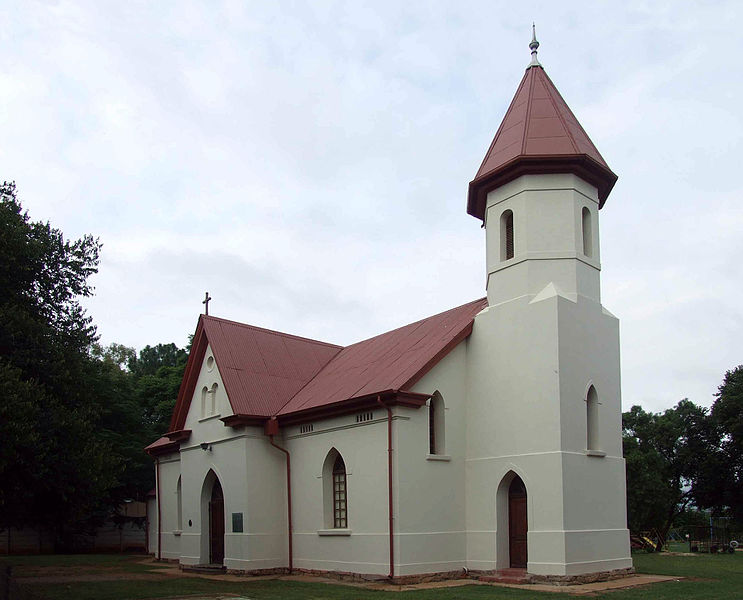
{"x": 533, "y": 45}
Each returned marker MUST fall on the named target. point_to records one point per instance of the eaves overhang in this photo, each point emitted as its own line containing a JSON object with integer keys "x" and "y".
{"x": 352, "y": 405}
{"x": 581, "y": 165}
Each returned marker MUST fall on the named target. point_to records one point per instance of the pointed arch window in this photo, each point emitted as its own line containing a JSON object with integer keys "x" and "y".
{"x": 592, "y": 420}
{"x": 340, "y": 505}
{"x": 436, "y": 429}
{"x": 204, "y": 399}
{"x": 586, "y": 230}
{"x": 506, "y": 235}
{"x": 213, "y": 399}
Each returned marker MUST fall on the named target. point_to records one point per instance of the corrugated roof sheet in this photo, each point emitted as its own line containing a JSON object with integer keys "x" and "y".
{"x": 262, "y": 369}
{"x": 390, "y": 361}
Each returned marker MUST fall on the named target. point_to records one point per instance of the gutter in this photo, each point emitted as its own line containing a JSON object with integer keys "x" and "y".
{"x": 272, "y": 428}
{"x": 389, "y": 487}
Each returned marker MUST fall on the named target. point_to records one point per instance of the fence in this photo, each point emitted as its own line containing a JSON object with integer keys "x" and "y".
{"x": 110, "y": 537}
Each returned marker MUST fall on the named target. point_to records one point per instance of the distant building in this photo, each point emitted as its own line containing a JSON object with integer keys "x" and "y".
{"x": 483, "y": 438}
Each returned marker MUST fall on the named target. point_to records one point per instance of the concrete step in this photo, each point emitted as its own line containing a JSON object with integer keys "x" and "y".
{"x": 512, "y": 576}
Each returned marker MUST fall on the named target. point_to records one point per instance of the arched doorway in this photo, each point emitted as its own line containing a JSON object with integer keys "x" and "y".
{"x": 517, "y": 523}
{"x": 216, "y": 525}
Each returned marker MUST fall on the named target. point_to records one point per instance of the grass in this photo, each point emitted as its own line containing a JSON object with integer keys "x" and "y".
{"x": 707, "y": 577}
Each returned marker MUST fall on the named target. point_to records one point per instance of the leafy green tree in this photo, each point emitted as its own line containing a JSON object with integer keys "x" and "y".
{"x": 725, "y": 492}
{"x": 152, "y": 358}
{"x": 52, "y": 461}
{"x": 666, "y": 454}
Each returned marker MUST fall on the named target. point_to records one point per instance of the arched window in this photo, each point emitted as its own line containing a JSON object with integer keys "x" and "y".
{"x": 592, "y": 419}
{"x": 506, "y": 235}
{"x": 587, "y": 236}
{"x": 340, "y": 507}
{"x": 213, "y": 393}
{"x": 179, "y": 499}
{"x": 335, "y": 491}
{"x": 436, "y": 430}
{"x": 204, "y": 395}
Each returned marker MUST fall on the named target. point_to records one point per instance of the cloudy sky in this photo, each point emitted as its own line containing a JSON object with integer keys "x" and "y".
{"x": 307, "y": 163}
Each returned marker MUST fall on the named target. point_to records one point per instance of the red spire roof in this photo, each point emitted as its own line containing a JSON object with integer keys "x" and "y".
{"x": 539, "y": 134}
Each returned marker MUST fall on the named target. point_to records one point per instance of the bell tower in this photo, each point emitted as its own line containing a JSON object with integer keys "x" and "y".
{"x": 538, "y": 192}
{"x": 544, "y": 382}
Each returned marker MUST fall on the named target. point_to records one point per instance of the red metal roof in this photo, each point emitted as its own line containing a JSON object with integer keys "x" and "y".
{"x": 392, "y": 361}
{"x": 267, "y": 373}
{"x": 539, "y": 134}
{"x": 161, "y": 446}
{"x": 262, "y": 369}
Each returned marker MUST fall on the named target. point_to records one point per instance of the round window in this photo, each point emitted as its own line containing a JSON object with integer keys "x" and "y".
{"x": 210, "y": 363}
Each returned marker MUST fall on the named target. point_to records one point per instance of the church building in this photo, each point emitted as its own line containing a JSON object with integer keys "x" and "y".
{"x": 480, "y": 440}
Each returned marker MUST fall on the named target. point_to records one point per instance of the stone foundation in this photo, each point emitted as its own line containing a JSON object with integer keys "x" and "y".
{"x": 259, "y": 572}
{"x": 586, "y": 578}
{"x": 431, "y": 577}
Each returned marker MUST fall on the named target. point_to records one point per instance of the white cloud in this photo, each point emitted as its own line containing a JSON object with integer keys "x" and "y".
{"x": 309, "y": 166}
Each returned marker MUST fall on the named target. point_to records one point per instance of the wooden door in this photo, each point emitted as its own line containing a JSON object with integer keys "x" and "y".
{"x": 216, "y": 526}
{"x": 517, "y": 523}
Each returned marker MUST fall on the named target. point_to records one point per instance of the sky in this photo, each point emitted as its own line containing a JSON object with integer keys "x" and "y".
{"x": 307, "y": 163}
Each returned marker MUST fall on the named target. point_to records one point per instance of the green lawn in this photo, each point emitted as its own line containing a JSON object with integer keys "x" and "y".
{"x": 708, "y": 577}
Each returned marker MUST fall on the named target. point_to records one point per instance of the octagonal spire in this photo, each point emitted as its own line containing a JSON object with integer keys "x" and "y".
{"x": 539, "y": 134}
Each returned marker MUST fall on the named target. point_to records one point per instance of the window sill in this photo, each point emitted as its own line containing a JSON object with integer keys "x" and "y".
{"x": 177, "y": 532}
{"x": 209, "y": 418}
{"x": 334, "y": 532}
{"x": 597, "y": 453}
{"x": 438, "y": 457}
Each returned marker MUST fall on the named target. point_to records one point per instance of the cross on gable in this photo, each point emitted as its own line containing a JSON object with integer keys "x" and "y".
{"x": 205, "y": 302}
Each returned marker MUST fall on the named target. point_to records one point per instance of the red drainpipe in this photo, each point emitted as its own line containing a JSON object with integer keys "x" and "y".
{"x": 159, "y": 529}
{"x": 272, "y": 428}
{"x": 389, "y": 486}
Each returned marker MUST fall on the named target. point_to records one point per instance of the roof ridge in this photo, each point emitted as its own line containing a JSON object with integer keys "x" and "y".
{"x": 529, "y": 100}
{"x": 565, "y": 127}
{"x": 272, "y": 331}
{"x": 502, "y": 123}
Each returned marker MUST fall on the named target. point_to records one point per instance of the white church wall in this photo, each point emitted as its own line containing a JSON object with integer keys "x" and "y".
{"x": 170, "y": 535}
{"x": 264, "y": 545}
{"x": 595, "y": 508}
{"x": 430, "y": 528}
{"x": 363, "y": 546}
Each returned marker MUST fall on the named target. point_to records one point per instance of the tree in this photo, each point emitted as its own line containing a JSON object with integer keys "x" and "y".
{"x": 666, "y": 454}
{"x": 52, "y": 462}
{"x": 726, "y": 491}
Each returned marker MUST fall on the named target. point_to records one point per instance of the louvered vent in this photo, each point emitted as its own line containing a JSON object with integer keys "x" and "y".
{"x": 366, "y": 416}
